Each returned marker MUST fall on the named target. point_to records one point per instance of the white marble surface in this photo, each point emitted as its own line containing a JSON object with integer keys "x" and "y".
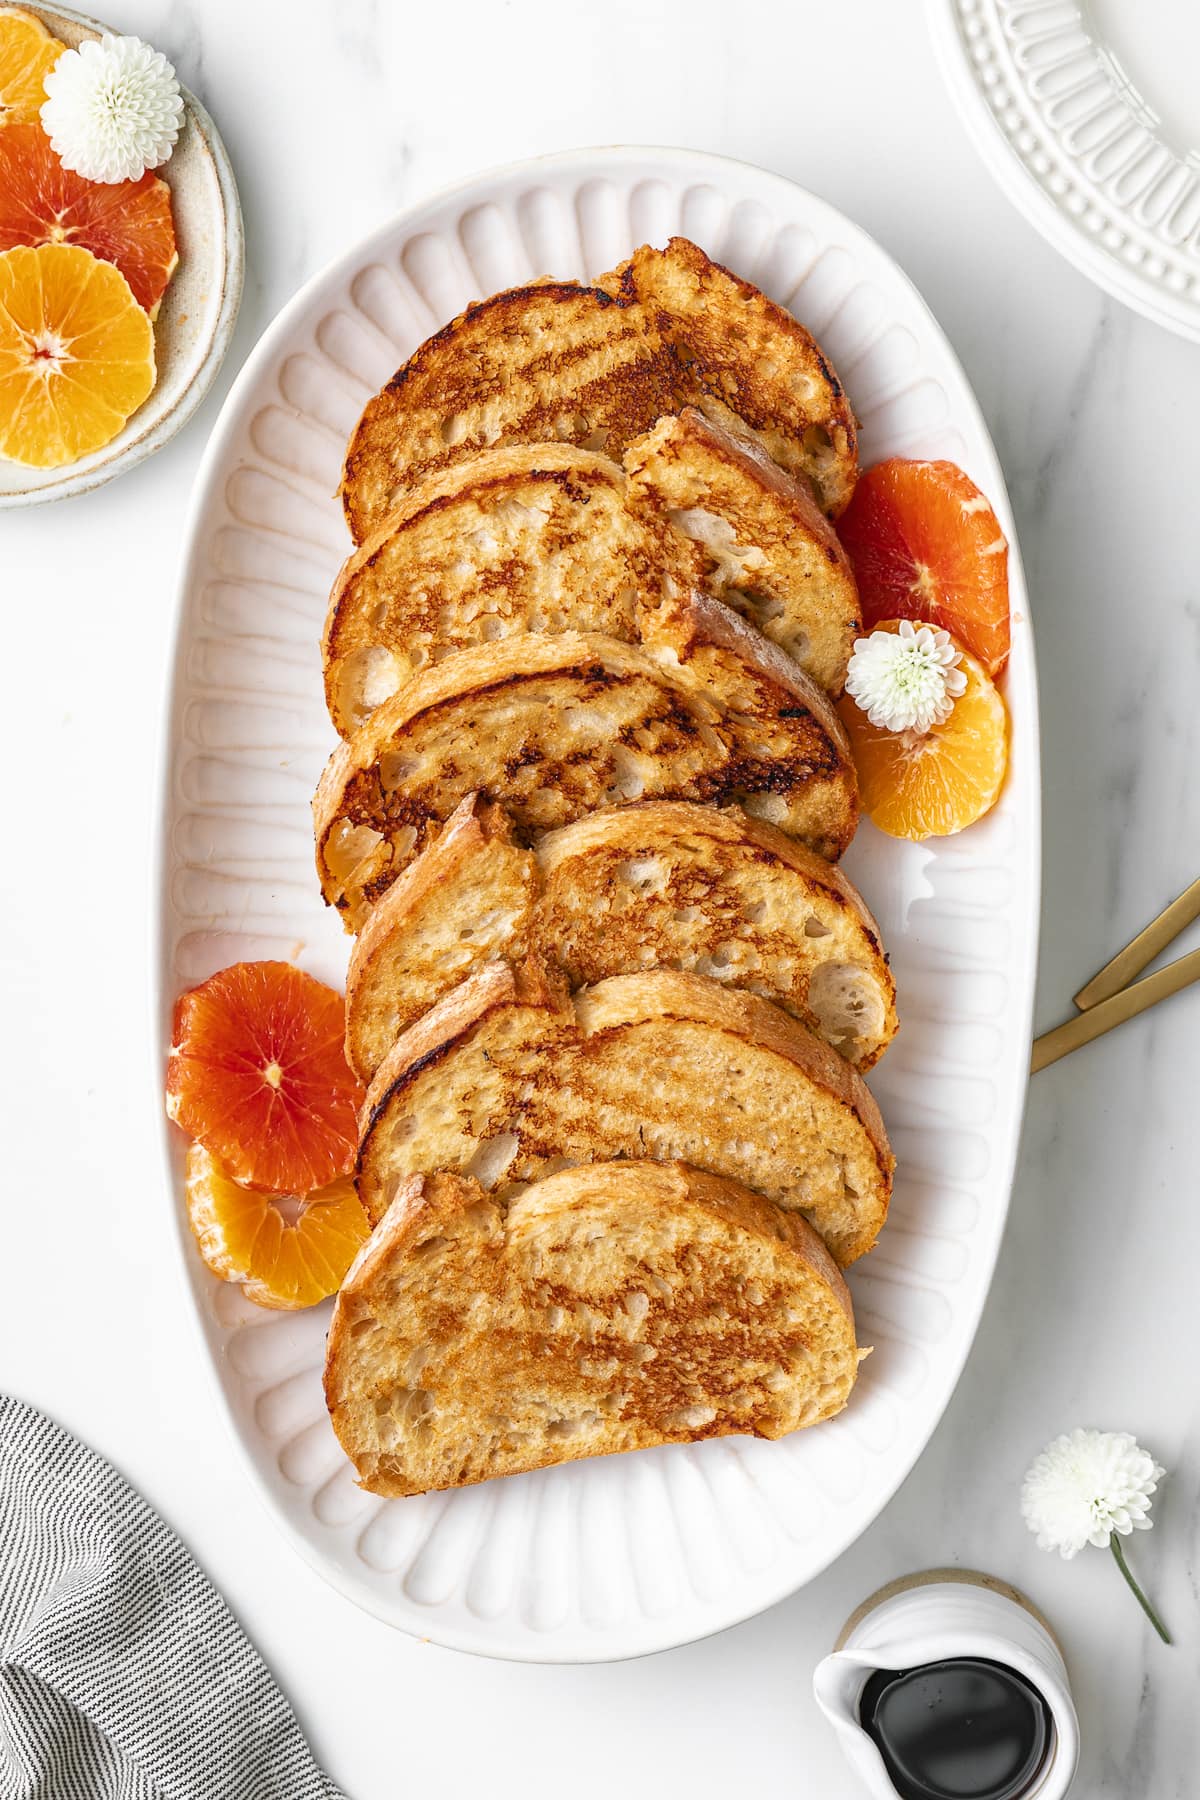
{"x": 334, "y": 116}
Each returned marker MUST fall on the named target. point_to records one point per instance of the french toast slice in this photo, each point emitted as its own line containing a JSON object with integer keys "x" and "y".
{"x": 527, "y": 537}
{"x": 767, "y": 548}
{"x": 603, "y": 1309}
{"x": 748, "y": 362}
{"x": 509, "y": 1077}
{"x": 656, "y": 884}
{"x": 606, "y": 1308}
{"x": 554, "y": 361}
{"x": 560, "y": 361}
{"x": 554, "y": 727}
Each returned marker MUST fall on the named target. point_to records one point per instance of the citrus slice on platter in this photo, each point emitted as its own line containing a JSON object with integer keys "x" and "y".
{"x": 919, "y": 784}
{"x": 925, "y": 545}
{"x": 258, "y": 1075}
{"x": 27, "y": 55}
{"x": 288, "y": 1251}
{"x": 123, "y": 222}
{"x": 76, "y": 354}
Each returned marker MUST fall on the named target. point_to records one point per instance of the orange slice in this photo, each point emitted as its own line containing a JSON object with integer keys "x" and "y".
{"x": 76, "y": 354}
{"x": 934, "y": 783}
{"x": 123, "y": 222}
{"x": 258, "y": 1074}
{"x": 27, "y": 55}
{"x": 287, "y": 1252}
{"x": 926, "y": 545}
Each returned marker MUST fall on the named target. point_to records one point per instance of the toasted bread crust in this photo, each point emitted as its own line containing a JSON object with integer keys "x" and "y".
{"x": 551, "y": 728}
{"x": 496, "y": 986}
{"x": 456, "y": 884}
{"x": 507, "y": 1063}
{"x": 768, "y": 550}
{"x": 751, "y": 363}
{"x": 656, "y": 884}
{"x": 550, "y": 362}
{"x": 606, "y": 1308}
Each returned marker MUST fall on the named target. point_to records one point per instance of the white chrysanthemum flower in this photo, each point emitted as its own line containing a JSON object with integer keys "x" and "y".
{"x": 114, "y": 108}
{"x": 906, "y": 680}
{"x": 1092, "y": 1487}
{"x": 1086, "y": 1485}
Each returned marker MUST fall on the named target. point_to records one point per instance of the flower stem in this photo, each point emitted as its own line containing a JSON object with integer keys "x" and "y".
{"x": 1114, "y": 1544}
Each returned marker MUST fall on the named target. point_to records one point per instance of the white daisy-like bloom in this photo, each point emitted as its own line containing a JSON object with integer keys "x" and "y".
{"x": 1086, "y": 1485}
{"x": 906, "y": 680}
{"x": 114, "y": 108}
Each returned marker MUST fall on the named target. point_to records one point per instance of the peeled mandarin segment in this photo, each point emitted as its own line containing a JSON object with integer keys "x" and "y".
{"x": 27, "y": 55}
{"x": 124, "y": 222}
{"x": 287, "y": 1253}
{"x": 258, "y": 1075}
{"x": 926, "y": 545}
{"x": 932, "y": 784}
{"x": 76, "y": 354}
{"x": 225, "y": 1235}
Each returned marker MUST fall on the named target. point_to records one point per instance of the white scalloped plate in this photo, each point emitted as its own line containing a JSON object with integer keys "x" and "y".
{"x": 1086, "y": 113}
{"x": 629, "y": 1554}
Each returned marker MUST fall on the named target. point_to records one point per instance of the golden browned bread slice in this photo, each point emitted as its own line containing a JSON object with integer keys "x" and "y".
{"x": 554, "y": 361}
{"x": 596, "y": 366}
{"x": 749, "y": 361}
{"x": 528, "y": 537}
{"x": 554, "y": 727}
{"x": 658, "y": 884}
{"x": 768, "y": 549}
{"x": 509, "y": 1077}
{"x": 605, "y": 1308}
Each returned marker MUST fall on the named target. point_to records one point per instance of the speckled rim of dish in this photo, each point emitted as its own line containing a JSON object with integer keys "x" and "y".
{"x": 172, "y": 402}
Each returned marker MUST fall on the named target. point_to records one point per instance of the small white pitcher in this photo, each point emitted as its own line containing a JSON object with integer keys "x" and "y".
{"x": 934, "y": 1617}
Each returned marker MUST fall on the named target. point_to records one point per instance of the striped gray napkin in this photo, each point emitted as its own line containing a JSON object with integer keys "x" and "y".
{"x": 123, "y": 1674}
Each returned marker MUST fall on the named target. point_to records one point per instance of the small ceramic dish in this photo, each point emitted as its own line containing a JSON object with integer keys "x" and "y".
{"x": 195, "y": 322}
{"x": 932, "y": 1618}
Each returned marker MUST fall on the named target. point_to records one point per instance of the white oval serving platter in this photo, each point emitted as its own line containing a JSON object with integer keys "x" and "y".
{"x": 622, "y": 1555}
{"x": 1085, "y": 111}
{"x": 195, "y": 322}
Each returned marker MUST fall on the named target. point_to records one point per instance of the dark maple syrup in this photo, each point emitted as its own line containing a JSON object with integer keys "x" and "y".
{"x": 967, "y": 1729}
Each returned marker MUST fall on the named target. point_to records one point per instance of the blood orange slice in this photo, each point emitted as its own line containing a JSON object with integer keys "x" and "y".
{"x": 123, "y": 222}
{"x": 919, "y": 784}
{"x": 926, "y": 545}
{"x": 287, "y": 1252}
{"x": 258, "y": 1075}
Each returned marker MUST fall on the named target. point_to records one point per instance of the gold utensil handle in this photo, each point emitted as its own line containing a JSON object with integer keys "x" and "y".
{"x": 1104, "y": 1014}
{"x": 1141, "y": 950}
